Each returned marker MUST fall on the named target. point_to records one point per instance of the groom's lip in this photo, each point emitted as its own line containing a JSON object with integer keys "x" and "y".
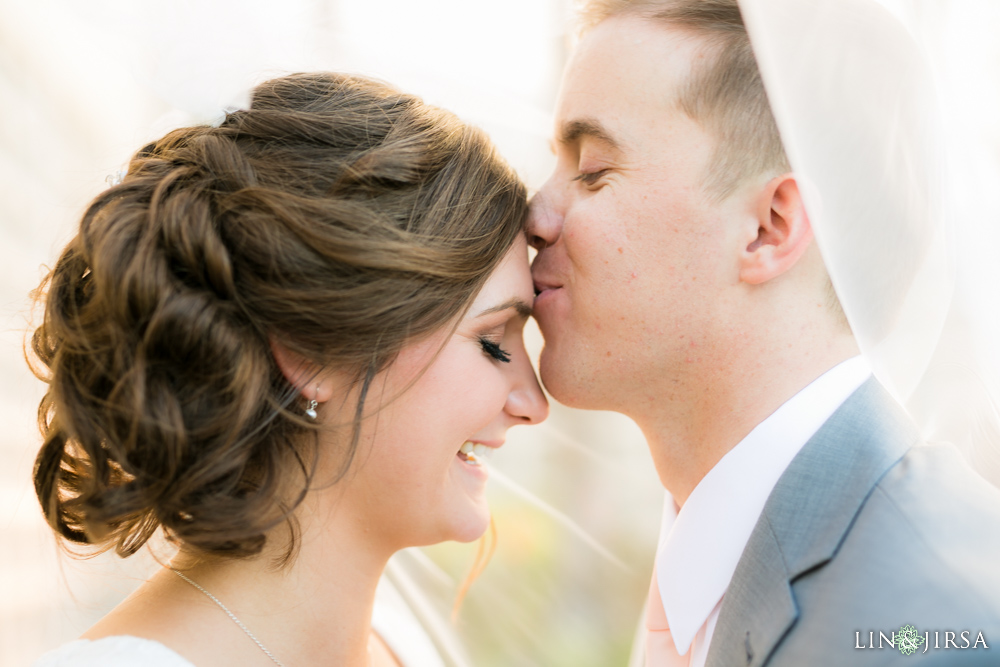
{"x": 543, "y": 286}
{"x": 543, "y": 295}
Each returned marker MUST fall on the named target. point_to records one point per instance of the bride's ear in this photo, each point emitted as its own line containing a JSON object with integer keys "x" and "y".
{"x": 304, "y": 375}
{"x": 783, "y": 232}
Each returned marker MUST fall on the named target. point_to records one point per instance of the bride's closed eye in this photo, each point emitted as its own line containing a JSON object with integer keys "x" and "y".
{"x": 494, "y": 350}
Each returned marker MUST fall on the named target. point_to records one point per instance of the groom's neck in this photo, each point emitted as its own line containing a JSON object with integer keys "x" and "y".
{"x": 710, "y": 411}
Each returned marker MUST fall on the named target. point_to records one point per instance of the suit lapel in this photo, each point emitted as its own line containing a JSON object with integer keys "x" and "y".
{"x": 805, "y": 520}
{"x": 758, "y": 607}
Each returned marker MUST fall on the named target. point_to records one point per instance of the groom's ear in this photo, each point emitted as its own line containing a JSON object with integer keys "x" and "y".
{"x": 783, "y": 232}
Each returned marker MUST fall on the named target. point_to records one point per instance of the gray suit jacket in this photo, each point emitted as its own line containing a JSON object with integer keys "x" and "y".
{"x": 866, "y": 531}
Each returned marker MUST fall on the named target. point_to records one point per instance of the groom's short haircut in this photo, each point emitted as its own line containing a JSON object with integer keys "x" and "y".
{"x": 724, "y": 92}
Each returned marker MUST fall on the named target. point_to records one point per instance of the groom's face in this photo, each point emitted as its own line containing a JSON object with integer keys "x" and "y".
{"x": 632, "y": 260}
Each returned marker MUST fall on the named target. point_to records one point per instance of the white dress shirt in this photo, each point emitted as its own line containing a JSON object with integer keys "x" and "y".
{"x": 701, "y": 544}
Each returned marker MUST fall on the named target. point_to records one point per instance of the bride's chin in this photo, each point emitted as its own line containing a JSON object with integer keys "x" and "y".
{"x": 471, "y": 523}
{"x": 463, "y": 529}
{"x": 474, "y": 528}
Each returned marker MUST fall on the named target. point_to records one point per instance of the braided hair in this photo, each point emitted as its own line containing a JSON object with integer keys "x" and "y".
{"x": 335, "y": 216}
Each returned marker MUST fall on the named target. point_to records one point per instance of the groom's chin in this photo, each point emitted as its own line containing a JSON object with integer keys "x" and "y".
{"x": 563, "y": 378}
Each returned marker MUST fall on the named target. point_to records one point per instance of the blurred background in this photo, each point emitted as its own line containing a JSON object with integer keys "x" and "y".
{"x": 83, "y": 83}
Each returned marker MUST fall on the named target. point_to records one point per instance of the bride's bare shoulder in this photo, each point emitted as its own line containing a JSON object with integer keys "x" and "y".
{"x": 160, "y": 612}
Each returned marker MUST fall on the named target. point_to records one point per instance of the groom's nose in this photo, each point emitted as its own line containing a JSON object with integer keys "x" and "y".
{"x": 545, "y": 220}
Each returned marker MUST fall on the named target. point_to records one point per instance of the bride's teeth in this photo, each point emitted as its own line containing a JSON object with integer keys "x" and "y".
{"x": 475, "y": 453}
{"x": 468, "y": 450}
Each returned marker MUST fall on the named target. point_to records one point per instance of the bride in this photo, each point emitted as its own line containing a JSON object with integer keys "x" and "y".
{"x": 288, "y": 342}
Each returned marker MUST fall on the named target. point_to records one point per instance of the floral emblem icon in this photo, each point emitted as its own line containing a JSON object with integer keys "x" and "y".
{"x": 908, "y": 640}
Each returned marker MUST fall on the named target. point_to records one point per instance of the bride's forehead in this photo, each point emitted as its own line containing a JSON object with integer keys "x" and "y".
{"x": 510, "y": 281}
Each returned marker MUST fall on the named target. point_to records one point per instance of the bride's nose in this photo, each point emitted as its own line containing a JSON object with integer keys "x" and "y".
{"x": 526, "y": 401}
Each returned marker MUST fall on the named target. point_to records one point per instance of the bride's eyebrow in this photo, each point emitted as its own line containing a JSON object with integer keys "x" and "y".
{"x": 517, "y": 303}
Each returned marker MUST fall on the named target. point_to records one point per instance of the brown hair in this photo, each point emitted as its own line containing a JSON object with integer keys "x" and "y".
{"x": 724, "y": 93}
{"x": 336, "y": 216}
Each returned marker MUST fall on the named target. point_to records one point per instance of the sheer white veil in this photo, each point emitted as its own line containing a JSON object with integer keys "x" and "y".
{"x": 905, "y": 203}
{"x": 879, "y": 106}
{"x": 904, "y": 206}
{"x": 902, "y": 199}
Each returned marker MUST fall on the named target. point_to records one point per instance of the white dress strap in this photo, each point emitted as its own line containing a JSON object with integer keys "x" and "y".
{"x": 119, "y": 651}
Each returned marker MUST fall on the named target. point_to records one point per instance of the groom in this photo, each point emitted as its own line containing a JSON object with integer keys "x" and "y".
{"x": 679, "y": 283}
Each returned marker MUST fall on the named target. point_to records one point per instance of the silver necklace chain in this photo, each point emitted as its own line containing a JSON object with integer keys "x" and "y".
{"x": 231, "y": 615}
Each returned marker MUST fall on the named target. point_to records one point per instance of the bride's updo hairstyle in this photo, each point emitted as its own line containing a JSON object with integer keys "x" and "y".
{"x": 336, "y": 217}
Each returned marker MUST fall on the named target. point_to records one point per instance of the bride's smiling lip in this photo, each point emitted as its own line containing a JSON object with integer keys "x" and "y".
{"x": 492, "y": 444}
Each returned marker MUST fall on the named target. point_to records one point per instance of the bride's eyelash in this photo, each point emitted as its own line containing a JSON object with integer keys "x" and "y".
{"x": 494, "y": 350}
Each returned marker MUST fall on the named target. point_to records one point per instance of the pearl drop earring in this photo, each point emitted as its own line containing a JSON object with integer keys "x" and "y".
{"x": 311, "y": 409}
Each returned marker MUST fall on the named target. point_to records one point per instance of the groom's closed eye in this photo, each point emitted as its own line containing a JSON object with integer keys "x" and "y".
{"x": 590, "y": 178}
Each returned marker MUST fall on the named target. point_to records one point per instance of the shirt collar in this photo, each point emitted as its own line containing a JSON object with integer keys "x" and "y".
{"x": 701, "y": 544}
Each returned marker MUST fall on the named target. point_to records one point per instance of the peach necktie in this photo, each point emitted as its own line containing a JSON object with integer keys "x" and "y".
{"x": 660, "y": 649}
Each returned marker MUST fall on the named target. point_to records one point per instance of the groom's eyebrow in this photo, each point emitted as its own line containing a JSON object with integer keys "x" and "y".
{"x": 574, "y": 131}
{"x": 518, "y": 304}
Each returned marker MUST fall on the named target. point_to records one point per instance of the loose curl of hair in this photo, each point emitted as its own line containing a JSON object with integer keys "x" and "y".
{"x": 335, "y": 216}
